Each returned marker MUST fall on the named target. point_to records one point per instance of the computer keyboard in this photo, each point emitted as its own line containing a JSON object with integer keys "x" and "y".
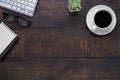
{"x": 25, "y": 7}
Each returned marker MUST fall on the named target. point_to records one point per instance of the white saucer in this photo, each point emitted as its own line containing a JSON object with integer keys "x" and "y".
{"x": 91, "y": 23}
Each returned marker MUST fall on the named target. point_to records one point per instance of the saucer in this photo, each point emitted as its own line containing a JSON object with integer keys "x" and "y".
{"x": 91, "y": 23}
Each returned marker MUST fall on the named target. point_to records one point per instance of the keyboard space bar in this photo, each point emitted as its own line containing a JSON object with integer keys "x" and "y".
{"x": 5, "y": 5}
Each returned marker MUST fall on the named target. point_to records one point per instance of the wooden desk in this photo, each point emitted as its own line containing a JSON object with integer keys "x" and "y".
{"x": 58, "y": 46}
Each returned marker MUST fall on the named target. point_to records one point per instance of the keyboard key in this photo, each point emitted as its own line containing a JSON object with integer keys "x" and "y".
{"x": 18, "y": 0}
{"x": 19, "y": 4}
{"x": 26, "y": 11}
{"x": 18, "y": 9}
{"x": 29, "y": 8}
{"x": 30, "y": 4}
{"x": 5, "y": 5}
{"x": 11, "y": 2}
{"x": 34, "y": 1}
{"x": 7, "y": 1}
{"x": 30, "y": 0}
{"x": 23, "y": 6}
{"x": 14, "y": 7}
{"x": 15, "y": 3}
{"x": 26, "y": 3}
{"x": 30, "y": 13}
{"x": 22, "y": 11}
{"x": 22, "y": 1}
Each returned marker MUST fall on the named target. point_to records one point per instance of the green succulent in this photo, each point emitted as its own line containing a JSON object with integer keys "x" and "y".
{"x": 74, "y": 5}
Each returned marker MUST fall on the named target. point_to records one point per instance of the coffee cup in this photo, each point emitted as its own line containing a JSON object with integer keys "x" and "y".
{"x": 101, "y": 20}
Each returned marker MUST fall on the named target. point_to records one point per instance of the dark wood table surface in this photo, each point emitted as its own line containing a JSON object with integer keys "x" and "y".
{"x": 58, "y": 46}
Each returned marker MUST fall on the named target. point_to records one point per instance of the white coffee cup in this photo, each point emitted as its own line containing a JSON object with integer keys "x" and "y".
{"x": 90, "y": 20}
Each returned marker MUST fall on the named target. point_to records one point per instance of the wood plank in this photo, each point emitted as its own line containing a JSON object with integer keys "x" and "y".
{"x": 60, "y": 69}
{"x": 53, "y": 43}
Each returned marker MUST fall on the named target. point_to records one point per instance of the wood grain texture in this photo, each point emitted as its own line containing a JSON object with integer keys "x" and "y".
{"x": 58, "y": 46}
{"x": 60, "y": 69}
{"x": 57, "y": 33}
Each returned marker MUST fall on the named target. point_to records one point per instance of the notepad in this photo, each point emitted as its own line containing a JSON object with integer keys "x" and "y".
{"x": 7, "y": 37}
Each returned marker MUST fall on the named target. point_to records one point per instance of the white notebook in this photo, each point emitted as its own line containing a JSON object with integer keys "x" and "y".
{"x": 7, "y": 36}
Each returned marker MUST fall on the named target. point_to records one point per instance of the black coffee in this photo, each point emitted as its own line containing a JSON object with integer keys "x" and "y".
{"x": 103, "y": 19}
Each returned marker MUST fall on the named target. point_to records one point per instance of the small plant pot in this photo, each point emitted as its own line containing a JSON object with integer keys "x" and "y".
{"x": 74, "y": 5}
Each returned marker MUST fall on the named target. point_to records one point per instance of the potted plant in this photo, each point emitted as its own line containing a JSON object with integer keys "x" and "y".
{"x": 74, "y": 5}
